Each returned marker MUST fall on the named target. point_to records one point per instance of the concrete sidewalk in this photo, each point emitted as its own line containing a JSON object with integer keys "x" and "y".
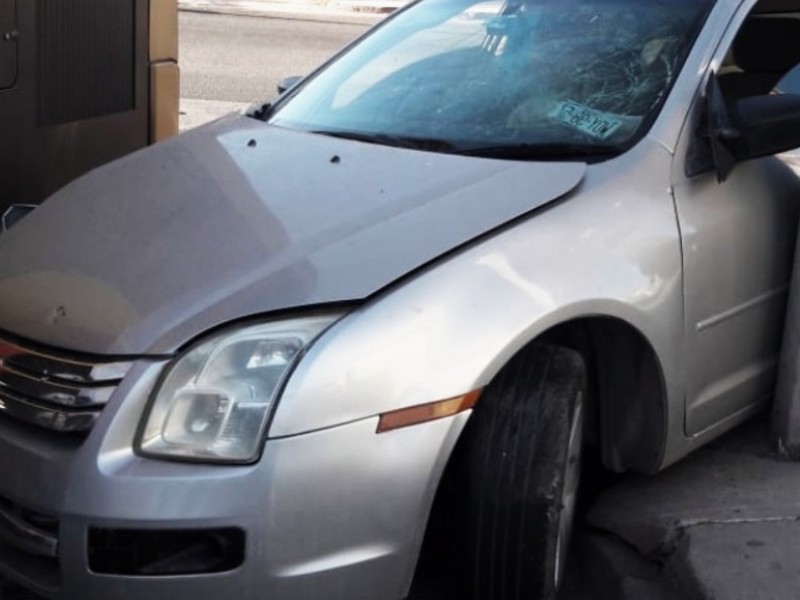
{"x": 358, "y": 11}
{"x": 195, "y": 112}
{"x": 722, "y": 524}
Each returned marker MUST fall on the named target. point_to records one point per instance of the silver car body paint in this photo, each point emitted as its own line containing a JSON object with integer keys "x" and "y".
{"x": 315, "y": 532}
{"x": 241, "y": 218}
{"x": 619, "y": 245}
{"x": 696, "y": 267}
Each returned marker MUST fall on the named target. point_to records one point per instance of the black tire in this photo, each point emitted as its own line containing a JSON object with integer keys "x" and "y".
{"x": 520, "y": 446}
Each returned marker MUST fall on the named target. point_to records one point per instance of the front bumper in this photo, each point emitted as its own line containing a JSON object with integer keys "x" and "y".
{"x": 337, "y": 513}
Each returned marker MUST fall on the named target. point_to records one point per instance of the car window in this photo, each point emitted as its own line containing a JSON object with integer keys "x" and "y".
{"x": 471, "y": 76}
{"x": 762, "y": 56}
{"x": 790, "y": 82}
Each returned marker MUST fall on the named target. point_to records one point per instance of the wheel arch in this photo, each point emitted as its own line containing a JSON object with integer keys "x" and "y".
{"x": 629, "y": 416}
{"x": 627, "y": 405}
{"x": 626, "y": 388}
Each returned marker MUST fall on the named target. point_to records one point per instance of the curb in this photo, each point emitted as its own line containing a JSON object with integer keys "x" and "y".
{"x": 355, "y": 12}
{"x": 384, "y": 8}
{"x": 723, "y": 523}
{"x": 617, "y": 571}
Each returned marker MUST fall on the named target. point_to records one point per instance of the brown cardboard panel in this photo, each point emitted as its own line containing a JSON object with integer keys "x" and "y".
{"x": 163, "y": 30}
{"x": 164, "y": 100}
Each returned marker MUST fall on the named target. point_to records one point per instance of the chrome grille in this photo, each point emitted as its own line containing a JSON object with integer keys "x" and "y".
{"x": 53, "y": 390}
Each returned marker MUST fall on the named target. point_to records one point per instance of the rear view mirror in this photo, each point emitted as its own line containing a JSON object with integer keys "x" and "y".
{"x": 753, "y": 127}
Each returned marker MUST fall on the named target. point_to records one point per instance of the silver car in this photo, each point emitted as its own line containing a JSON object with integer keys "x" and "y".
{"x": 400, "y": 307}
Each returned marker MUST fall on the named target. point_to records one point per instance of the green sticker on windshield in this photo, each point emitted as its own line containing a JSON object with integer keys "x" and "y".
{"x": 592, "y": 122}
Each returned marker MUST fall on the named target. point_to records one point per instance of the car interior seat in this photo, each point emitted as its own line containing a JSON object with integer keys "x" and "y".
{"x": 765, "y": 48}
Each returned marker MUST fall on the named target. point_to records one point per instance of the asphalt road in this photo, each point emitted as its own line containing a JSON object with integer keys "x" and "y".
{"x": 241, "y": 59}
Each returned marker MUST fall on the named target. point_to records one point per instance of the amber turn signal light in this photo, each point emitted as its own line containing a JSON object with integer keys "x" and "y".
{"x": 422, "y": 413}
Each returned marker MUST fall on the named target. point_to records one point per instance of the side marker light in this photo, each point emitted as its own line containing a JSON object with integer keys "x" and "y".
{"x": 414, "y": 415}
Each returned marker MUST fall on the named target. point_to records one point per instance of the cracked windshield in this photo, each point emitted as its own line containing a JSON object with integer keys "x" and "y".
{"x": 538, "y": 77}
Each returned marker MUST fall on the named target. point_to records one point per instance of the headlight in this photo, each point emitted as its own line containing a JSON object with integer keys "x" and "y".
{"x": 214, "y": 402}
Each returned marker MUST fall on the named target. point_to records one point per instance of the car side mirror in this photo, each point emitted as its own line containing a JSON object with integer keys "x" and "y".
{"x": 288, "y": 83}
{"x": 720, "y": 129}
{"x": 767, "y": 125}
{"x": 751, "y": 128}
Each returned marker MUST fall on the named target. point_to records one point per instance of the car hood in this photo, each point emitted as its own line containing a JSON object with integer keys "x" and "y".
{"x": 240, "y": 218}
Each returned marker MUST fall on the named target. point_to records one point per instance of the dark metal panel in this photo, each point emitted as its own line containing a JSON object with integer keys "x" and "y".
{"x": 8, "y": 43}
{"x": 34, "y": 160}
{"x": 85, "y": 59}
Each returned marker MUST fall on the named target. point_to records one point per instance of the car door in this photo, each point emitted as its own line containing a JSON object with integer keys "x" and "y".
{"x": 738, "y": 239}
{"x": 8, "y": 43}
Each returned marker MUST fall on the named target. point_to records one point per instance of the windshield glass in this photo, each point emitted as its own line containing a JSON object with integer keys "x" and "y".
{"x": 540, "y": 77}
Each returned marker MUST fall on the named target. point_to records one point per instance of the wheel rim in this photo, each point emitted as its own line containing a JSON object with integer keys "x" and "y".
{"x": 569, "y": 492}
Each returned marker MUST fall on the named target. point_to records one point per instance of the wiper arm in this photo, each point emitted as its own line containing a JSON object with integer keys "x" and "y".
{"x": 260, "y": 111}
{"x": 544, "y": 151}
{"x": 397, "y": 141}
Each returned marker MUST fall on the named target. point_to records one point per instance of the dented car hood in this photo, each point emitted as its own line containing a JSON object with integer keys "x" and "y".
{"x": 239, "y": 218}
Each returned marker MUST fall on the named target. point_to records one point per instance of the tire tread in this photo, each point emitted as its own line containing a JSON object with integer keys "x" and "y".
{"x": 514, "y": 455}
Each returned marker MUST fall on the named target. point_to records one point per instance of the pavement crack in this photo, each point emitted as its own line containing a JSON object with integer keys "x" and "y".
{"x": 686, "y": 523}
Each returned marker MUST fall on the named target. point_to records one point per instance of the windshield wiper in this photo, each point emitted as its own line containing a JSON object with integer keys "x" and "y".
{"x": 396, "y": 141}
{"x": 261, "y": 111}
{"x": 523, "y": 151}
{"x": 527, "y": 151}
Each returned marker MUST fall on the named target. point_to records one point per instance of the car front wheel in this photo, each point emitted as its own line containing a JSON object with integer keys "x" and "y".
{"x": 520, "y": 463}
